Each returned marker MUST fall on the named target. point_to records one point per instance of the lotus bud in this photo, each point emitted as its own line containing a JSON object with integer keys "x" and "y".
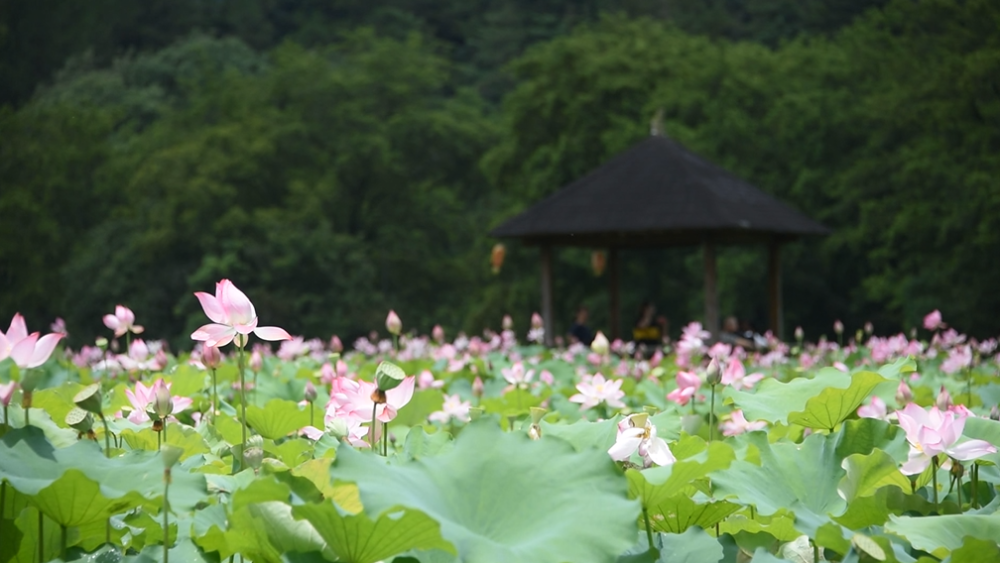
{"x": 598, "y": 261}
{"x": 508, "y": 323}
{"x": 437, "y": 333}
{"x": 101, "y": 343}
{"x": 838, "y": 327}
{"x": 89, "y": 399}
{"x": 600, "y": 345}
{"x": 254, "y": 454}
{"x": 477, "y": 387}
{"x": 163, "y": 404}
{"x": 903, "y": 394}
{"x": 799, "y": 333}
{"x": 310, "y": 392}
{"x": 943, "y": 399}
{"x": 256, "y": 361}
{"x": 336, "y": 346}
{"x": 388, "y": 376}
{"x": 497, "y": 256}
{"x": 211, "y": 357}
{"x": 995, "y": 413}
{"x": 536, "y": 321}
{"x": 337, "y": 427}
{"x": 713, "y": 374}
{"x": 869, "y": 328}
{"x": 393, "y": 323}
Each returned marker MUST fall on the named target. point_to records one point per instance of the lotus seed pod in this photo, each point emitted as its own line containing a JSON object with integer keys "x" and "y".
{"x": 388, "y": 376}
{"x": 89, "y": 398}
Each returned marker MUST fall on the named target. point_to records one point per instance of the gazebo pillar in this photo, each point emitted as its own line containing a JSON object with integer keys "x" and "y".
{"x": 775, "y": 309}
{"x": 547, "y": 315}
{"x": 711, "y": 291}
{"x": 615, "y": 318}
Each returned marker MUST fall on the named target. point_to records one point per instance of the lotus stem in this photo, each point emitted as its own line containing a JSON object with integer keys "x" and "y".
{"x": 62, "y": 540}
{"x": 371, "y": 428}
{"x": 974, "y": 477}
{"x": 649, "y": 530}
{"x": 385, "y": 439}
{"x": 41, "y": 537}
{"x": 107, "y": 437}
{"x": 310, "y": 412}
{"x": 711, "y": 417}
{"x": 3, "y": 503}
{"x": 243, "y": 402}
{"x": 166, "y": 510}
{"x": 215, "y": 395}
{"x": 934, "y": 470}
{"x": 6, "y": 416}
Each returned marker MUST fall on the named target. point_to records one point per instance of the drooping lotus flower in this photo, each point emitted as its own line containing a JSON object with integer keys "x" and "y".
{"x": 598, "y": 390}
{"x": 27, "y": 350}
{"x": 232, "y": 314}
{"x": 122, "y": 321}
{"x": 932, "y": 432}
{"x": 636, "y": 433}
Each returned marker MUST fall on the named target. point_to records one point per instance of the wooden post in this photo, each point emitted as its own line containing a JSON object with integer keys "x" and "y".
{"x": 546, "y": 252}
{"x": 614, "y": 320}
{"x": 711, "y": 291}
{"x": 775, "y": 308}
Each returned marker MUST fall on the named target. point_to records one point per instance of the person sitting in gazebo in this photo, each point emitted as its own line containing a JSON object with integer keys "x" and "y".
{"x": 580, "y": 332}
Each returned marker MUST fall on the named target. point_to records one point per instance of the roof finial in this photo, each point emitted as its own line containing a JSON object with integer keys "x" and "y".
{"x": 656, "y": 124}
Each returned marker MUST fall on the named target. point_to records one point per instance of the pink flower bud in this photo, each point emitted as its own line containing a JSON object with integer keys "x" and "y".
{"x": 838, "y": 327}
{"x": 799, "y": 333}
{"x": 336, "y": 346}
{"x": 508, "y": 323}
{"x": 713, "y": 375}
{"x": 211, "y": 357}
{"x": 326, "y": 373}
{"x": 536, "y": 321}
{"x": 477, "y": 387}
{"x": 903, "y": 394}
{"x": 393, "y": 323}
{"x": 310, "y": 392}
{"x": 256, "y": 361}
{"x": 163, "y": 404}
{"x": 437, "y": 333}
{"x": 943, "y": 399}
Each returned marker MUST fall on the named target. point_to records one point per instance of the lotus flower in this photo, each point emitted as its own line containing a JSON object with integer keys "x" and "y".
{"x": 599, "y": 390}
{"x": 687, "y": 384}
{"x": 453, "y": 407}
{"x": 145, "y": 397}
{"x": 932, "y": 432}
{"x": 737, "y": 424}
{"x": 933, "y": 320}
{"x": 354, "y": 399}
{"x": 122, "y": 321}
{"x": 27, "y": 350}
{"x": 736, "y": 375}
{"x": 877, "y": 409}
{"x": 232, "y": 314}
{"x": 636, "y": 433}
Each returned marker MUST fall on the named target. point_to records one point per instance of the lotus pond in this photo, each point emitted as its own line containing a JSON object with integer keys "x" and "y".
{"x": 490, "y": 449}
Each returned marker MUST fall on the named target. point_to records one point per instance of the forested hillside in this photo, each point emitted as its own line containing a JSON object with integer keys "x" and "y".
{"x": 336, "y": 159}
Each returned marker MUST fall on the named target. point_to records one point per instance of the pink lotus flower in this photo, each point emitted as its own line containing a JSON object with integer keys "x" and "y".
{"x": 453, "y": 407}
{"x": 232, "y": 314}
{"x": 933, "y": 320}
{"x": 737, "y": 424}
{"x": 599, "y": 390}
{"x": 122, "y": 321}
{"x": 354, "y": 399}
{"x": 7, "y": 391}
{"x": 138, "y": 358}
{"x": 736, "y": 377}
{"x": 933, "y": 432}
{"x": 517, "y": 376}
{"x": 687, "y": 385}
{"x": 144, "y": 398}
{"x": 27, "y": 350}
{"x": 877, "y": 409}
{"x": 637, "y": 434}
{"x": 426, "y": 381}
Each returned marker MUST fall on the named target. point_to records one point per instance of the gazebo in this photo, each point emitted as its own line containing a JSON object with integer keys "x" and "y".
{"x": 659, "y": 194}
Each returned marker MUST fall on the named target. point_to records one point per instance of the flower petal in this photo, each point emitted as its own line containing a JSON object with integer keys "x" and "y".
{"x": 111, "y": 322}
{"x": 211, "y": 306}
{"x": 399, "y": 396}
{"x": 44, "y": 348}
{"x": 235, "y": 303}
{"x": 214, "y": 335}
{"x": 660, "y": 453}
{"x": 971, "y": 449}
{"x": 18, "y": 330}
{"x": 22, "y": 351}
{"x": 271, "y": 333}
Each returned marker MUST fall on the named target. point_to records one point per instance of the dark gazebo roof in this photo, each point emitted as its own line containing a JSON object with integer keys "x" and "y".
{"x": 658, "y": 193}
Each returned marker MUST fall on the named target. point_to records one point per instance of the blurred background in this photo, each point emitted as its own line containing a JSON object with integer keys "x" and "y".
{"x": 338, "y": 158}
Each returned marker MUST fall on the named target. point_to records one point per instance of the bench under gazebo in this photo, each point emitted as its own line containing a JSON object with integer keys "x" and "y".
{"x": 659, "y": 194}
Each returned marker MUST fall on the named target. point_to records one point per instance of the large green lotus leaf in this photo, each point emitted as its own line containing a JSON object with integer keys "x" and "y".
{"x": 182, "y": 550}
{"x": 939, "y": 535}
{"x": 773, "y": 400}
{"x": 277, "y": 419}
{"x": 75, "y": 500}
{"x": 503, "y": 497}
{"x": 57, "y": 401}
{"x": 761, "y": 555}
{"x": 30, "y": 463}
{"x": 266, "y": 531}
{"x": 419, "y": 443}
{"x": 515, "y": 402}
{"x": 976, "y": 550}
{"x": 780, "y": 526}
{"x": 833, "y": 405}
{"x": 693, "y": 546}
{"x": 188, "y": 381}
{"x": 26, "y": 550}
{"x": 790, "y": 474}
{"x": 359, "y": 539}
{"x": 677, "y": 513}
{"x": 186, "y": 438}
{"x": 869, "y": 473}
{"x": 419, "y": 408}
{"x": 695, "y": 460}
{"x": 583, "y": 434}
{"x": 863, "y": 435}
{"x": 866, "y": 511}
